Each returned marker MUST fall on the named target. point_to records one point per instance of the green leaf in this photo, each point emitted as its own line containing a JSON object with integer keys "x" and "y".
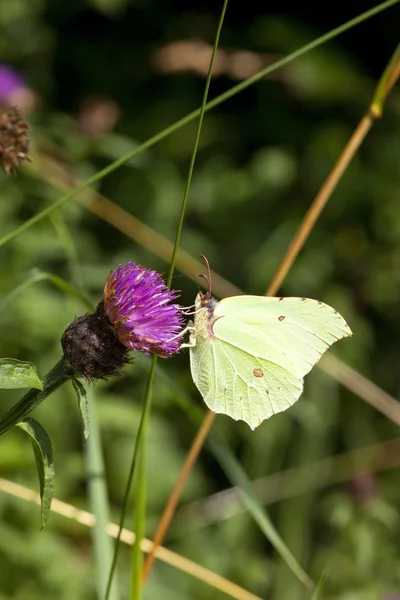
{"x": 44, "y": 461}
{"x": 83, "y": 405}
{"x": 16, "y": 374}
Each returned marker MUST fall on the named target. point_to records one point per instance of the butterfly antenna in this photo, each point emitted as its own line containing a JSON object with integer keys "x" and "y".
{"x": 208, "y": 276}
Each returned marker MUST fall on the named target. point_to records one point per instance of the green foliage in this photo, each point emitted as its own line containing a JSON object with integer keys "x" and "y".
{"x": 43, "y": 452}
{"x": 83, "y": 405}
{"x": 16, "y": 374}
{"x": 263, "y": 156}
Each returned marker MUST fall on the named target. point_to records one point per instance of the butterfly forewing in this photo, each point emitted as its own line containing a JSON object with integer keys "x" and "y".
{"x": 299, "y": 328}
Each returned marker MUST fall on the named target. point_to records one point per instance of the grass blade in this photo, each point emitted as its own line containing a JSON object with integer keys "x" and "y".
{"x": 194, "y": 115}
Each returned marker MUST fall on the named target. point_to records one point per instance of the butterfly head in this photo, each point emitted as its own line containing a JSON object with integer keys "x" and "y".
{"x": 204, "y": 307}
{"x": 205, "y": 300}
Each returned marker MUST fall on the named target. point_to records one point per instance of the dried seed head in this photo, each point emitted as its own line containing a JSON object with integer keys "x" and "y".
{"x": 91, "y": 347}
{"x": 14, "y": 142}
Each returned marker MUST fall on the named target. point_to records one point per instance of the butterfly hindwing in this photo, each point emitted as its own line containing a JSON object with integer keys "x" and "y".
{"x": 237, "y": 384}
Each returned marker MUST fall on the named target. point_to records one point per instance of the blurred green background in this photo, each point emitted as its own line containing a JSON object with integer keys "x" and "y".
{"x": 101, "y": 77}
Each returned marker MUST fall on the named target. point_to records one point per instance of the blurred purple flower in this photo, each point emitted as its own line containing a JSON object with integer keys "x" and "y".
{"x": 14, "y": 90}
{"x": 139, "y": 306}
{"x": 10, "y": 81}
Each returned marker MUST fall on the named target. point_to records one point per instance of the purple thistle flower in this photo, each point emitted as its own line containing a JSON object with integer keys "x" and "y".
{"x": 139, "y": 306}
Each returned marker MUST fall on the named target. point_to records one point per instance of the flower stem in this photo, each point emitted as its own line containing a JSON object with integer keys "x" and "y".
{"x": 140, "y": 508}
{"x": 139, "y": 523}
{"x": 195, "y": 145}
{"x": 58, "y": 375}
{"x": 175, "y": 497}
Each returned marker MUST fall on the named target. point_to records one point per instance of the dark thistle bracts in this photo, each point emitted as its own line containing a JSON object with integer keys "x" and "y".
{"x": 91, "y": 346}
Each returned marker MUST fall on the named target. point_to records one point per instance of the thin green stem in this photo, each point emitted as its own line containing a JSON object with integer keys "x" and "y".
{"x": 139, "y": 520}
{"x": 193, "y": 115}
{"x": 195, "y": 146}
{"x": 140, "y": 509}
{"x": 139, "y": 436}
{"x": 58, "y": 375}
{"x": 69, "y": 246}
{"x": 385, "y": 82}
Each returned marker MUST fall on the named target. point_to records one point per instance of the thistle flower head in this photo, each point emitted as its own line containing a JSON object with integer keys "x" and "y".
{"x": 136, "y": 313}
{"x": 140, "y": 307}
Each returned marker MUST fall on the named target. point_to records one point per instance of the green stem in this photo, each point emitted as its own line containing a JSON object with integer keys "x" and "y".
{"x": 140, "y": 512}
{"x": 139, "y": 521}
{"x": 195, "y": 146}
{"x": 58, "y": 375}
{"x": 382, "y": 88}
{"x": 140, "y": 509}
{"x": 193, "y": 115}
{"x": 139, "y": 436}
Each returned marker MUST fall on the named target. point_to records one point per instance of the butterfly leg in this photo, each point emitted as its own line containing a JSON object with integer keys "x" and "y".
{"x": 192, "y": 340}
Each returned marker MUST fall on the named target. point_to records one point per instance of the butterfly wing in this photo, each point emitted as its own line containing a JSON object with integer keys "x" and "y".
{"x": 239, "y": 384}
{"x": 300, "y": 329}
{"x": 249, "y": 354}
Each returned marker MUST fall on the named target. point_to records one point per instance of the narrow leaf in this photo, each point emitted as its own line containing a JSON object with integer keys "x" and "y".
{"x": 317, "y": 594}
{"x": 16, "y": 374}
{"x": 238, "y": 477}
{"x": 83, "y": 402}
{"x": 37, "y": 276}
{"x": 44, "y": 461}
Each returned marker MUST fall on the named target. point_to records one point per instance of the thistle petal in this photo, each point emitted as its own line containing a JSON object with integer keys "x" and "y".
{"x": 140, "y": 307}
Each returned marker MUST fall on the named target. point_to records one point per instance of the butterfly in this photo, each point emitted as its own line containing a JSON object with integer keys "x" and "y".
{"x": 249, "y": 354}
